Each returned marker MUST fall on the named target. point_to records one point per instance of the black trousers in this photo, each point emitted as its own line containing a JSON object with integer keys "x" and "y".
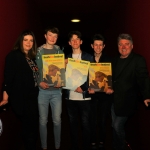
{"x": 100, "y": 107}
{"x": 82, "y": 109}
{"x": 29, "y": 119}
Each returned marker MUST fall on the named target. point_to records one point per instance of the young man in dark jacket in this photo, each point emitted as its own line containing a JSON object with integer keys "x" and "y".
{"x": 78, "y": 101}
{"x": 101, "y": 102}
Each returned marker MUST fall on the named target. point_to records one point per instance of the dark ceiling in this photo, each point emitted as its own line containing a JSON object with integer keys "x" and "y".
{"x": 95, "y": 15}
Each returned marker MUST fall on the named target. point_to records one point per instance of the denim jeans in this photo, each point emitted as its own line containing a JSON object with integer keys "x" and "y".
{"x": 82, "y": 109}
{"x": 54, "y": 98}
{"x": 118, "y": 123}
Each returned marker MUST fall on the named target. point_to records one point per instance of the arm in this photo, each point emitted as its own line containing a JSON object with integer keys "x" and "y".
{"x": 9, "y": 74}
{"x": 142, "y": 78}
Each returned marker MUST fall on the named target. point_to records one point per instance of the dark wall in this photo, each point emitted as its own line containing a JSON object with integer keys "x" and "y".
{"x": 127, "y": 16}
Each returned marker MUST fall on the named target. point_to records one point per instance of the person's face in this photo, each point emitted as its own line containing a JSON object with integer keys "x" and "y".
{"x": 99, "y": 78}
{"x": 75, "y": 42}
{"x": 27, "y": 43}
{"x": 125, "y": 47}
{"x": 51, "y": 38}
{"x": 98, "y": 46}
{"x": 52, "y": 72}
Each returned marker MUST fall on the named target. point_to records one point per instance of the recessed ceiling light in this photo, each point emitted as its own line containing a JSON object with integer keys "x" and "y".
{"x": 75, "y": 20}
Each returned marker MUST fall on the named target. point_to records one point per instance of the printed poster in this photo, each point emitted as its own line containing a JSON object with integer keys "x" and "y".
{"x": 54, "y": 69}
{"x": 76, "y": 73}
{"x": 100, "y": 76}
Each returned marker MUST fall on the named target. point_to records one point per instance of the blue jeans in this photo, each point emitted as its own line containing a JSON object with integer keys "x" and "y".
{"x": 118, "y": 123}
{"x": 54, "y": 98}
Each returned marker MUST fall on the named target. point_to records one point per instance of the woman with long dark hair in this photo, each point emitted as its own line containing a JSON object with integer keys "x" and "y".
{"x": 20, "y": 86}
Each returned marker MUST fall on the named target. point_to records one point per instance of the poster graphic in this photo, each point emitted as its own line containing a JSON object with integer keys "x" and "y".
{"x": 76, "y": 73}
{"x": 54, "y": 69}
{"x": 100, "y": 76}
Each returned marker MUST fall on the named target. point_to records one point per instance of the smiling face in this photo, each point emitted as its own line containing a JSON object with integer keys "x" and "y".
{"x": 75, "y": 42}
{"x": 51, "y": 38}
{"x": 27, "y": 43}
{"x": 125, "y": 47}
{"x": 98, "y": 46}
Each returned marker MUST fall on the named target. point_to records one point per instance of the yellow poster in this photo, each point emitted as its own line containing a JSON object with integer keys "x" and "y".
{"x": 100, "y": 76}
{"x": 54, "y": 69}
{"x": 76, "y": 73}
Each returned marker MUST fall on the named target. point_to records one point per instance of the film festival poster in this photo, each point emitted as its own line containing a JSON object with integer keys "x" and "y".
{"x": 54, "y": 69}
{"x": 100, "y": 76}
{"x": 76, "y": 73}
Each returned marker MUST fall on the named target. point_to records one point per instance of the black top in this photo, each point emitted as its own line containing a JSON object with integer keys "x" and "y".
{"x": 18, "y": 79}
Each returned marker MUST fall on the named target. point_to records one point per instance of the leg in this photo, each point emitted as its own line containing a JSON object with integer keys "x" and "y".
{"x": 118, "y": 124}
{"x": 84, "y": 107}
{"x": 72, "y": 108}
{"x": 43, "y": 102}
{"x": 104, "y": 107}
{"x": 56, "y": 107}
{"x": 30, "y": 120}
{"x": 93, "y": 119}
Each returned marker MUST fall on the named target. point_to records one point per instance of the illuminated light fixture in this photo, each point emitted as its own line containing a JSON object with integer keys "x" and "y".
{"x": 75, "y": 20}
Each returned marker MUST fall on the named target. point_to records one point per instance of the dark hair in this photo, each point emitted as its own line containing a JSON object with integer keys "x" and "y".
{"x": 71, "y": 33}
{"x": 125, "y": 36}
{"x": 19, "y": 44}
{"x": 97, "y": 37}
{"x": 52, "y": 29}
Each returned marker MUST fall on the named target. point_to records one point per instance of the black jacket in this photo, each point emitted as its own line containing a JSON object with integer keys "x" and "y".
{"x": 129, "y": 78}
{"x": 18, "y": 79}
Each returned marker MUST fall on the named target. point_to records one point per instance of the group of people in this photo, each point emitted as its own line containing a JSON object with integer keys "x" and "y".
{"x": 30, "y": 94}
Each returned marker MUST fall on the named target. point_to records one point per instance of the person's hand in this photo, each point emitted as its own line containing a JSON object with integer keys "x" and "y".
{"x": 79, "y": 90}
{"x": 44, "y": 85}
{"x": 66, "y": 62}
{"x": 5, "y": 99}
{"x": 3, "y": 102}
{"x": 146, "y": 102}
{"x": 109, "y": 91}
{"x": 91, "y": 91}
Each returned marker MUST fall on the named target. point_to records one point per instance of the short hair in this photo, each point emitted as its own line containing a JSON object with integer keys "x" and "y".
{"x": 52, "y": 68}
{"x": 52, "y": 29}
{"x": 19, "y": 44}
{"x": 99, "y": 74}
{"x": 125, "y": 36}
{"x": 71, "y": 33}
{"x": 97, "y": 37}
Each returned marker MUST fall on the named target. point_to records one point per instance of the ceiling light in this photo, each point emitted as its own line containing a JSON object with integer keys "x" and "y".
{"x": 75, "y": 20}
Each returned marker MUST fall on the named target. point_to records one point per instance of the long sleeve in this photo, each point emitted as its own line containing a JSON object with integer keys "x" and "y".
{"x": 9, "y": 72}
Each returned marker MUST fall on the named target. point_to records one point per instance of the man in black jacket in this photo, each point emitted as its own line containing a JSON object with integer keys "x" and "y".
{"x": 78, "y": 100}
{"x": 101, "y": 102}
{"x": 130, "y": 76}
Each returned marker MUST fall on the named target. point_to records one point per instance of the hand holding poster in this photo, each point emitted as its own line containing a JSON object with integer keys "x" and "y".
{"x": 76, "y": 73}
{"x": 54, "y": 69}
{"x": 100, "y": 76}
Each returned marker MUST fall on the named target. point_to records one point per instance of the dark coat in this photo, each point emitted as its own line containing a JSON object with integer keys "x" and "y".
{"x": 18, "y": 80}
{"x": 128, "y": 80}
